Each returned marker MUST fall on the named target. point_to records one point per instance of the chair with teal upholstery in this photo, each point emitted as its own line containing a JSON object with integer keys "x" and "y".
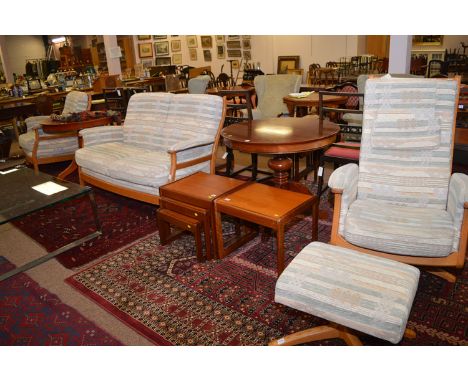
{"x": 198, "y": 85}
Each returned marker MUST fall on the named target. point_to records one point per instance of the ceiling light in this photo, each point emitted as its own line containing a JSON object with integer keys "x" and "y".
{"x": 57, "y": 40}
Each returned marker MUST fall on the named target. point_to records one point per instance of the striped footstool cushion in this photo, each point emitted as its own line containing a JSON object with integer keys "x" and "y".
{"x": 362, "y": 292}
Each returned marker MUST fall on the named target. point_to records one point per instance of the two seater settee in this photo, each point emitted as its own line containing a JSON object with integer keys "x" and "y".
{"x": 164, "y": 137}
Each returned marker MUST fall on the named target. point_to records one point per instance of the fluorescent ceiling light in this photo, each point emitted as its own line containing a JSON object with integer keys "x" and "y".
{"x": 57, "y": 40}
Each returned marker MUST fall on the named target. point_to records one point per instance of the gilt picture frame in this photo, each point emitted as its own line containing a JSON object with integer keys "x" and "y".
{"x": 145, "y": 50}
{"x": 287, "y": 62}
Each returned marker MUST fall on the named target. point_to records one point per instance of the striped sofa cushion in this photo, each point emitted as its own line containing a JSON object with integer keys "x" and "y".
{"x": 362, "y": 292}
{"x": 402, "y": 230}
{"x": 418, "y": 173}
{"x": 130, "y": 166}
{"x": 160, "y": 121}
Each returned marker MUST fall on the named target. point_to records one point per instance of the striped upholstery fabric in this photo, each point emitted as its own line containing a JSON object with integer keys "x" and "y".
{"x": 136, "y": 155}
{"x": 360, "y": 291}
{"x": 74, "y": 102}
{"x": 401, "y": 230}
{"x": 410, "y": 177}
{"x": 402, "y": 193}
{"x": 49, "y": 148}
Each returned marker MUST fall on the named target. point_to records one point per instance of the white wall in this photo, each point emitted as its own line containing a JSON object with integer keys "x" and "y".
{"x": 20, "y": 48}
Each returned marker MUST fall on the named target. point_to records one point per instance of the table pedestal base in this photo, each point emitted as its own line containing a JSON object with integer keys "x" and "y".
{"x": 281, "y": 166}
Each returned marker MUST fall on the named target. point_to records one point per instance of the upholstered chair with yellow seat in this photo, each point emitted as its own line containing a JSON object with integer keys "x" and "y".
{"x": 402, "y": 202}
{"x": 41, "y": 148}
{"x": 270, "y": 92}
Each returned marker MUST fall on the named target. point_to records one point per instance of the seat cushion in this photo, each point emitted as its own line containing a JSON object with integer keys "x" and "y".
{"x": 130, "y": 164}
{"x": 411, "y": 231}
{"x": 48, "y": 148}
{"x": 360, "y": 291}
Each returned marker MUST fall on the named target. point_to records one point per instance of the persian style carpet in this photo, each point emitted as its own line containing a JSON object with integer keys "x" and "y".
{"x": 30, "y": 315}
{"x": 123, "y": 221}
{"x": 169, "y": 297}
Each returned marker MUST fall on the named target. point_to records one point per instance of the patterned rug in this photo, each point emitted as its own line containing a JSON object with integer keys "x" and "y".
{"x": 31, "y": 315}
{"x": 166, "y": 295}
{"x": 123, "y": 221}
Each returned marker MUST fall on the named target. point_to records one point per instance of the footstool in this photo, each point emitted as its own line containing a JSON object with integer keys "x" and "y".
{"x": 349, "y": 288}
{"x": 267, "y": 206}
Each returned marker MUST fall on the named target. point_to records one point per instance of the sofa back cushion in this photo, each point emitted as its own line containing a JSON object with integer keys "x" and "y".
{"x": 161, "y": 121}
{"x": 406, "y": 144}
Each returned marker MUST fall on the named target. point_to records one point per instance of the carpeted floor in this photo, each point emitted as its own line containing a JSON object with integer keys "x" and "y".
{"x": 163, "y": 292}
{"x": 31, "y": 315}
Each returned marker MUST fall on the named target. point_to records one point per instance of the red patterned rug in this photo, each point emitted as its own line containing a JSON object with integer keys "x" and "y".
{"x": 31, "y": 315}
{"x": 166, "y": 295}
{"x": 123, "y": 221}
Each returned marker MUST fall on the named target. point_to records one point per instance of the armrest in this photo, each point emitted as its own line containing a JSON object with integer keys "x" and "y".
{"x": 102, "y": 134}
{"x": 189, "y": 153}
{"x": 35, "y": 122}
{"x": 344, "y": 181}
{"x": 183, "y": 146}
{"x": 457, "y": 203}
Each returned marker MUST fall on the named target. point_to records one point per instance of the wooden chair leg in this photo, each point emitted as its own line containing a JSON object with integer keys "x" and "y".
{"x": 314, "y": 334}
{"x": 446, "y": 275}
{"x": 318, "y": 333}
{"x": 409, "y": 333}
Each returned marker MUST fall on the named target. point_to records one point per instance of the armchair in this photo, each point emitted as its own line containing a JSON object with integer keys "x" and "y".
{"x": 164, "y": 137}
{"x": 198, "y": 85}
{"x": 39, "y": 147}
{"x": 402, "y": 202}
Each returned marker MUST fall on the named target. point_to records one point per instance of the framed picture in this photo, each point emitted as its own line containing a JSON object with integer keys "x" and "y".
{"x": 192, "y": 41}
{"x": 234, "y": 53}
{"x": 147, "y": 63}
{"x": 206, "y": 42}
{"x": 233, "y": 37}
{"x": 220, "y": 51}
{"x": 245, "y": 44}
{"x": 161, "y": 48}
{"x": 247, "y": 55}
{"x": 163, "y": 61}
{"x": 159, "y": 37}
{"x": 233, "y": 44}
{"x": 287, "y": 62}
{"x": 145, "y": 50}
{"x": 235, "y": 64}
{"x": 177, "y": 59}
{"x": 193, "y": 54}
{"x": 207, "y": 54}
{"x": 427, "y": 40}
{"x": 175, "y": 46}
{"x": 219, "y": 39}
{"x": 144, "y": 37}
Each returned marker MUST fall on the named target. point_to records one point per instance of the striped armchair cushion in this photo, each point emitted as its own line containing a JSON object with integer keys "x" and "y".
{"x": 407, "y": 176}
{"x": 76, "y": 102}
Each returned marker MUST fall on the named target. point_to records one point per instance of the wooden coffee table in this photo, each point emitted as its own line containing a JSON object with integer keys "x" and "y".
{"x": 187, "y": 204}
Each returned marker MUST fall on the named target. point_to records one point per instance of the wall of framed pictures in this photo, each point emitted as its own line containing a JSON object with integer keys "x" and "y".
{"x": 196, "y": 50}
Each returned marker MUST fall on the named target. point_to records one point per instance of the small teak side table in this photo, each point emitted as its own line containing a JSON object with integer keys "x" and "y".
{"x": 268, "y": 206}
{"x": 187, "y": 204}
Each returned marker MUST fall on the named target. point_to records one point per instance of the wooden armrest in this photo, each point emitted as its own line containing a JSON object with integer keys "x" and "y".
{"x": 189, "y": 148}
